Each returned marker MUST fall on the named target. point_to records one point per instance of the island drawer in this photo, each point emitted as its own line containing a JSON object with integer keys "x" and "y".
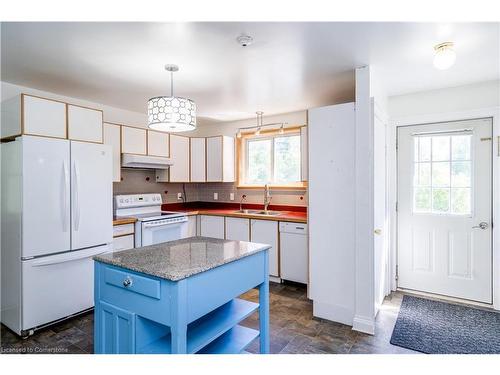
{"x": 132, "y": 282}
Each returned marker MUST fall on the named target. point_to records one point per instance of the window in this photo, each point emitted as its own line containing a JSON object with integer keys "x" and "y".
{"x": 442, "y": 182}
{"x": 271, "y": 159}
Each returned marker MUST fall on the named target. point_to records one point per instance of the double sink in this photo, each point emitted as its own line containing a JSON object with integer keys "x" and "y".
{"x": 258, "y": 212}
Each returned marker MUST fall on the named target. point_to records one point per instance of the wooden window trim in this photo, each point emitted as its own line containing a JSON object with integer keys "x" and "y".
{"x": 241, "y": 160}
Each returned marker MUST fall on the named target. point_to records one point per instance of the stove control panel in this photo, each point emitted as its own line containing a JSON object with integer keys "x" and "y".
{"x": 137, "y": 200}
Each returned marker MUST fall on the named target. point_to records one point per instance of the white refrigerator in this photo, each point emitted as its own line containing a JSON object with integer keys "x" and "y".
{"x": 56, "y": 215}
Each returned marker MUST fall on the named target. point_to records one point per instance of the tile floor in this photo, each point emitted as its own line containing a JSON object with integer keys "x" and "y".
{"x": 293, "y": 329}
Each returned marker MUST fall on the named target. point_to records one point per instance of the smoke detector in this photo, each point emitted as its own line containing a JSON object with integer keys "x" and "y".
{"x": 244, "y": 40}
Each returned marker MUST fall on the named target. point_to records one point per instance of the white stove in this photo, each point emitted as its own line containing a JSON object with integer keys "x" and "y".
{"x": 153, "y": 225}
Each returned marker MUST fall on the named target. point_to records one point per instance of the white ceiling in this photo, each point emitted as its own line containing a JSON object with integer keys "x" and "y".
{"x": 291, "y": 66}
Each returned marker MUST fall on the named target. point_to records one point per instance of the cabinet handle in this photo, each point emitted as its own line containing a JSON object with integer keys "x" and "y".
{"x": 301, "y": 228}
{"x": 127, "y": 282}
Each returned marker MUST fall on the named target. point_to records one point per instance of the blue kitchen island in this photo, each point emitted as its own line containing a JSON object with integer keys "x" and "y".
{"x": 181, "y": 297}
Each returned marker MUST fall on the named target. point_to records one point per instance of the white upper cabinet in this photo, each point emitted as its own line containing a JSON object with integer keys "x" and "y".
{"x": 112, "y": 137}
{"x": 179, "y": 153}
{"x": 198, "y": 160}
{"x": 303, "y": 153}
{"x": 43, "y": 117}
{"x": 158, "y": 144}
{"x": 220, "y": 159}
{"x": 84, "y": 124}
{"x": 133, "y": 140}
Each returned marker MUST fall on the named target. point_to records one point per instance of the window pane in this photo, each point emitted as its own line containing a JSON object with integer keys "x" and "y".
{"x": 422, "y": 174}
{"x": 440, "y": 148}
{"x": 440, "y": 200}
{"x": 460, "y": 147}
{"x": 460, "y": 174}
{"x": 287, "y": 159}
{"x": 259, "y": 161}
{"x": 422, "y": 199}
{"x": 441, "y": 174}
{"x": 460, "y": 201}
{"x": 425, "y": 149}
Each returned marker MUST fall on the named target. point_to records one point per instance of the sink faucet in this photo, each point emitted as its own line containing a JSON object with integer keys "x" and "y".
{"x": 267, "y": 197}
{"x": 241, "y": 201}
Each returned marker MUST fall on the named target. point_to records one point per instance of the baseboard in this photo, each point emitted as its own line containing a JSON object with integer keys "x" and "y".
{"x": 364, "y": 324}
{"x": 335, "y": 313}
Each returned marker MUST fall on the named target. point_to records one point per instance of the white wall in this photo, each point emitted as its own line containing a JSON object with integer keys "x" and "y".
{"x": 111, "y": 114}
{"x": 448, "y": 100}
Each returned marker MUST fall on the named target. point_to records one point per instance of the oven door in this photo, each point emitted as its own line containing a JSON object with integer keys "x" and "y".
{"x": 153, "y": 232}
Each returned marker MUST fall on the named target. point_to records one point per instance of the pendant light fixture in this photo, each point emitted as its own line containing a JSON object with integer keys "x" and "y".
{"x": 171, "y": 113}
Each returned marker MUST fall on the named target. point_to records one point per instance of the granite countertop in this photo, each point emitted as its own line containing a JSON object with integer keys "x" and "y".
{"x": 177, "y": 260}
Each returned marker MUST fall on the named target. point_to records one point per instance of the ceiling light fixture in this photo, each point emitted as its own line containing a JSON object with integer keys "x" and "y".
{"x": 171, "y": 113}
{"x": 445, "y": 55}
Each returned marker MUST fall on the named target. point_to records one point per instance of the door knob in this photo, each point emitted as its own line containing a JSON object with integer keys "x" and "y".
{"x": 482, "y": 225}
{"x": 378, "y": 231}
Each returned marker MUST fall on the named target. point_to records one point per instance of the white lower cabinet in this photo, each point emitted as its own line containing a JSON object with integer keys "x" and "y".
{"x": 212, "y": 226}
{"x": 123, "y": 243}
{"x": 266, "y": 232}
{"x": 237, "y": 229}
{"x": 192, "y": 229}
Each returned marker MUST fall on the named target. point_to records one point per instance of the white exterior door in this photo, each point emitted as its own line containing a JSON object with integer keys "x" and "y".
{"x": 91, "y": 195}
{"x": 444, "y": 213}
{"x": 46, "y": 194}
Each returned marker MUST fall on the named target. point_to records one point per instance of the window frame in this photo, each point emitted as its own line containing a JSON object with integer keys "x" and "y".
{"x": 450, "y": 161}
{"x": 243, "y": 160}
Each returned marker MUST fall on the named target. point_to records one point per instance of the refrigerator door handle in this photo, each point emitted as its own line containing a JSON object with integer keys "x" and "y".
{"x": 49, "y": 262}
{"x": 76, "y": 203}
{"x": 65, "y": 205}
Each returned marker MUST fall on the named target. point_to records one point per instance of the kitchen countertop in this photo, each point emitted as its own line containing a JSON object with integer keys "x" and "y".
{"x": 123, "y": 220}
{"x": 292, "y": 216}
{"x": 177, "y": 260}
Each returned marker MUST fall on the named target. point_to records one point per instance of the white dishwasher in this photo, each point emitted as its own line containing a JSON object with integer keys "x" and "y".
{"x": 294, "y": 259}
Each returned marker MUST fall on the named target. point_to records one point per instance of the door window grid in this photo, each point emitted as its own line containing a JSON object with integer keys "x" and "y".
{"x": 442, "y": 181}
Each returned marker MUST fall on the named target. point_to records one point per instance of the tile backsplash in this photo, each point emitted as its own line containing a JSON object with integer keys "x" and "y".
{"x": 144, "y": 181}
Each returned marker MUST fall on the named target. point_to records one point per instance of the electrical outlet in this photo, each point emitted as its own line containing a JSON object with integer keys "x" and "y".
{"x": 216, "y": 196}
{"x": 231, "y": 196}
{"x": 179, "y": 196}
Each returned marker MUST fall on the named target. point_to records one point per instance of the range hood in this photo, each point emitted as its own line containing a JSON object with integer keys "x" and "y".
{"x": 145, "y": 162}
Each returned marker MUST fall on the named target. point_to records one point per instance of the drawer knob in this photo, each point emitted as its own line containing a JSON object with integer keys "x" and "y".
{"x": 127, "y": 282}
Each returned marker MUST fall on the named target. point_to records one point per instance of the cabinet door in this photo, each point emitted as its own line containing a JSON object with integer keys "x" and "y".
{"x": 112, "y": 137}
{"x": 266, "y": 231}
{"x": 198, "y": 160}
{"x": 133, "y": 140}
{"x": 237, "y": 229}
{"x": 192, "y": 226}
{"x": 84, "y": 124}
{"x": 212, "y": 226}
{"x": 214, "y": 159}
{"x": 179, "y": 153}
{"x": 158, "y": 144}
{"x": 114, "y": 331}
{"x": 303, "y": 153}
{"x": 43, "y": 117}
{"x": 228, "y": 163}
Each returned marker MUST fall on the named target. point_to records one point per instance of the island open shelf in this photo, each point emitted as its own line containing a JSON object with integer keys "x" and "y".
{"x": 182, "y": 307}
